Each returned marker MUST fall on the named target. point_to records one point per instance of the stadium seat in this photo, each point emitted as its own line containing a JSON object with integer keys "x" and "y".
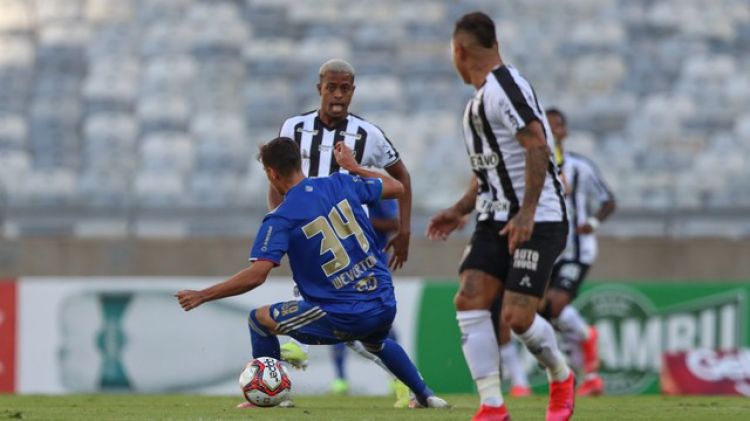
{"x": 188, "y": 88}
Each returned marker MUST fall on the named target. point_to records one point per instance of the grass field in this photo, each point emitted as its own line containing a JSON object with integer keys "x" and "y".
{"x": 183, "y": 407}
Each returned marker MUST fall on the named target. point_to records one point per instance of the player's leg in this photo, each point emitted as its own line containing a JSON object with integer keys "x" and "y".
{"x": 372, "y": 332}
{"x": 263, "y": 337}
{"x": 479, "y": 284}
{"x": 395, "y": 358}
{"x": 399, "y": 388}
{"x": 565, "y": 284}
{"x": 510, "y": 363}
{"x": 566, "y": 279}
{"x": 302, "y": 321}
{"x": 527, "y": 281}
{"x": 293, "y": 351}
{"x": 339, "y": 386}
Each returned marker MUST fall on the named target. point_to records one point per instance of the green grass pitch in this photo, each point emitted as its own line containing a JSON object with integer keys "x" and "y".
{"x": 328, "y": 408}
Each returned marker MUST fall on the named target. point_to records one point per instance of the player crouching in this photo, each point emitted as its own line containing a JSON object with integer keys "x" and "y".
{"x": 346, "y": 289}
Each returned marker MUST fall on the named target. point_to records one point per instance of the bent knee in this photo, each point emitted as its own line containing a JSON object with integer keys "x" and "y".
{"x": 263, "y": 315}
{"x": 518, "y": 322}
{"x": 557, "y": 300}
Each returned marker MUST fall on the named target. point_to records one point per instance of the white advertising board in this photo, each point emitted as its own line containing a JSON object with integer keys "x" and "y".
{"x": 87, "y": 335}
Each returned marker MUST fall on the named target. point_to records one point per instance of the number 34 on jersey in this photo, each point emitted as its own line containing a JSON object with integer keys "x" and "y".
{"x": 336, "y": 228}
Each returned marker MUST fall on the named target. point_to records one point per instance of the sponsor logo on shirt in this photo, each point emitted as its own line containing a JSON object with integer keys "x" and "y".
{"x": 484, "y": 161}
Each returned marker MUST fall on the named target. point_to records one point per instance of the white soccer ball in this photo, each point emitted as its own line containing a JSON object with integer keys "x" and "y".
{"x": 265, "y": 382}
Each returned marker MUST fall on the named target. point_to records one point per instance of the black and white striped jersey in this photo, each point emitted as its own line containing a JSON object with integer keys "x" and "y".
{"x": 586, "y": 192}
{"x": 316, "y": 141}
{"x": 505, "y": 104}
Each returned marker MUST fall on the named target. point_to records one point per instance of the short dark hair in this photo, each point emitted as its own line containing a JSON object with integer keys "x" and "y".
{"x": 281, "y": 154}
{"x": 480, "y": 26}
{"x": 557, "y": 112}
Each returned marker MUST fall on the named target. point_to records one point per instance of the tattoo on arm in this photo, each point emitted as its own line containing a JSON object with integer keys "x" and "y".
{"x": 537, "y": 160}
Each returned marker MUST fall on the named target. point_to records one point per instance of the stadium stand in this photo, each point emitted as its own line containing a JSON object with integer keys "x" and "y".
{"x": 161, "y": 103}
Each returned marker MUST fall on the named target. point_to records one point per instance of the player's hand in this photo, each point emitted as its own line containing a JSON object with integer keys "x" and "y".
{"x": 585, "y": 229}
{"x": 518, "y": 230}
{"x": 190, "y": 299}
{"x": 345, "y": 157}
{"x": 443, "y": 224}
{"x": 400, "y": 245}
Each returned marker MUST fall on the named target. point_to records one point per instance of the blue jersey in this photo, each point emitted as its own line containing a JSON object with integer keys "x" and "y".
{"x": 383, "y": 209}
{"x": 327, "y": 235}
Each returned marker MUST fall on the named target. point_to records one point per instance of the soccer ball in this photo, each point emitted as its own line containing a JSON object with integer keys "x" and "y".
{"x": 265, "y": 382}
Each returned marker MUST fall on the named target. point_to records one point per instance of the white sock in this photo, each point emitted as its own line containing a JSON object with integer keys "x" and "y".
{"x": 541, "y": 342}
{"x": 481, "y": 353}
{"x": 489, "y": 390}
{"x": 512, "y": 365}
{"x": 571, "y": 321}
{"x": 305, "y": 347}
{"x": 357, "y": 347}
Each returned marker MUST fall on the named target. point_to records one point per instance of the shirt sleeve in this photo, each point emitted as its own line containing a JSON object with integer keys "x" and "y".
{"x": 272, "y": 241}
{"x": 367, "y": 190}
{"x": 596, "y": 187}
{"x": 514, "y": 106}
{"x": 384, "y": 153}
{"x": 385, "y": 209}
{"x": 287, "y": 129}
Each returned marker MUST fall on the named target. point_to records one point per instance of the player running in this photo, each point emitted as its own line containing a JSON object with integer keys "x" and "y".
{"x": 521, "y": 223}
{"x": 346, "y": 289}
{"x": 585, "y": 186}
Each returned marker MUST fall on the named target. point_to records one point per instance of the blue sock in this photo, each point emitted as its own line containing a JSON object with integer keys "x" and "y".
{"x": 264, "y": 343}
{"x": 339, "y": 356}
{"x": 394, "y": 357}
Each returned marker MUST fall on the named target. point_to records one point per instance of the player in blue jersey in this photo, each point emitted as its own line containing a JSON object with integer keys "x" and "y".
{"x": 346, "y": 289}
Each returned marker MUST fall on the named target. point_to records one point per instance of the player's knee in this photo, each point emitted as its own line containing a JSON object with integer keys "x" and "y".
{"x": 556, "y": 301}
{"x": 262, "y": 316}
{"x": 468, "y": 300}
{"x": 546, "y": 310}
{"x": 517, "y": 319}
{"x": 475, "y": 292}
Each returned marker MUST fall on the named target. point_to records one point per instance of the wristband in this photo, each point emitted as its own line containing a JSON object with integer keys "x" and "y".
{"x": 594, "y": 222}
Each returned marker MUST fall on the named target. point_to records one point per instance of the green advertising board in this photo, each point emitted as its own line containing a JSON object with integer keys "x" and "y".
{"x": 637, "y": 323}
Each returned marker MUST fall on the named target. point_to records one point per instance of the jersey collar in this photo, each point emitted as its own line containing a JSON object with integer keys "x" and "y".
{"x": 341, "y": 125}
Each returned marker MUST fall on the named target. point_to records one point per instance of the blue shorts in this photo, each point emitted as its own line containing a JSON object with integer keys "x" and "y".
{"x": 312, "y": 325}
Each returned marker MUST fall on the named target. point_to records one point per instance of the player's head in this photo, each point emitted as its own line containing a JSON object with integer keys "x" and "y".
{"x": 474, "y": 37}
{"x": 281, "y": 160}
{"x": 558, "y": 123}
{"x": 336, "y": 87}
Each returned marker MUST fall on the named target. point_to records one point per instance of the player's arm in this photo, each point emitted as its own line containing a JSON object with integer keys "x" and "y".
{"x": 446, "y": 221}
{"x": 607, "y": 204}
{"x": 520, "y": 227}
{"x": 385, "y": 224}
{"x": 400, "y": 173}
{"x": 242, "y": 282}
{"x": 392, "y": 188}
